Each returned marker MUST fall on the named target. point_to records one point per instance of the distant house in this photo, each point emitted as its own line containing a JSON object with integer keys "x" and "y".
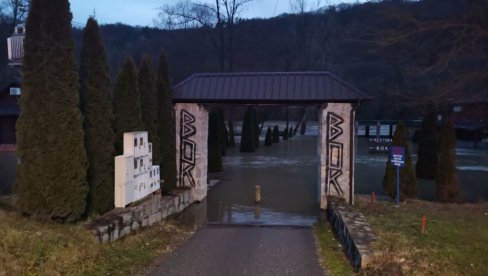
{"x": 470, "y": 118}
{"x": 9, "y": 112}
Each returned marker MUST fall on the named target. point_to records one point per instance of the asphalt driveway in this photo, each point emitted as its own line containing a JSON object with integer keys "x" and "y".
{"x": 241, "y": 250}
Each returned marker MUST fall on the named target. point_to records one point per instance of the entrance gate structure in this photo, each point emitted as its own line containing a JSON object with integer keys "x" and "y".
{"x": 337, "y": 99}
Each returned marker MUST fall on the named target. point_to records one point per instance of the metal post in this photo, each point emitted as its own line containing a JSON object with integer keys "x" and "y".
{"x": 398, "y": 186}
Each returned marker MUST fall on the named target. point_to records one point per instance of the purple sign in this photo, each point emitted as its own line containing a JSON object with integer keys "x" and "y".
{"x": 397, "y": 156}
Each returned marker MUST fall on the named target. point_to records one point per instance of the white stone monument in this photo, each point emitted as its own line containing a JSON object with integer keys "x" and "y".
{"x": 191, "y": 148}
{"x": 336, "y": 152}
{"x": 135, "y": 175}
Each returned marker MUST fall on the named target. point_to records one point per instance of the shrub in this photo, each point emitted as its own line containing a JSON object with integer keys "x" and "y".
{"x": 447, "y": 185}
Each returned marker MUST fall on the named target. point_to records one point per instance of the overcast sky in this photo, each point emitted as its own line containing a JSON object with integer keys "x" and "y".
{"x": 142, "y": 12}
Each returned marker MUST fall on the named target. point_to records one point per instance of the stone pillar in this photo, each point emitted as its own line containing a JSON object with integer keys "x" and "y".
{"x": 336, "y": 152}
{"x": 191, "y": 148}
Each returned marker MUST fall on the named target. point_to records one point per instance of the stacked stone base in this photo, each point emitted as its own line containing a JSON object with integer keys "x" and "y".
{"x": 353, "y": 231}
{"x": 121, "y": 222}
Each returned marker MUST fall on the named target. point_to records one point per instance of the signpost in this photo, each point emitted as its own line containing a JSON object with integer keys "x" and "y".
{"x": 397, "y": 157}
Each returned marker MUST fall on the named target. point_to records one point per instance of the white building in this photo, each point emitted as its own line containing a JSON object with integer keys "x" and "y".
{"x": 135, "y": 175}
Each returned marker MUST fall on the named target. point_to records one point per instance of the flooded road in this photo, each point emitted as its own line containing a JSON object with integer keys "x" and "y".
{"x": 287, "y": 173}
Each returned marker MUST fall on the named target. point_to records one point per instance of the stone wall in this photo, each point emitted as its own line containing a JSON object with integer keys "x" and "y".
{"x": 336, "y": 152}
{"x": 122, "y": 221}
{"x": 191, "y": 148}
{"x": 352, "y": 230}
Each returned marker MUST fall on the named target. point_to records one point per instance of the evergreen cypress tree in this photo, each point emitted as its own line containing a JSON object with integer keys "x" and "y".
{"x": 285, "y": 134}
{"x": 127, "y": 104}
{"x": 248, "y": 137}
{"x": 447, "y": 185}
{"x": 149, "y": 106}
{"x": 214, "y": 143}
{"x": 232, "y": 141}
{"x": 51, "y": 177}
{"x": 255, "y": 125}
{"x": 408, "y": 181}
{"x": 426, "y": 166}
{"x": 276, "y": 134}
{"x": 303, "y": 127}
{"x": 268, "y": 141}
{"x": 222, "y": 131}
{"x": 167, "y": 128}
{"x": 96, "y": 106}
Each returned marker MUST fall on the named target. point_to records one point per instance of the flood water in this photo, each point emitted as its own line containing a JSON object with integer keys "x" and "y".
{"x": 287, "y": 173}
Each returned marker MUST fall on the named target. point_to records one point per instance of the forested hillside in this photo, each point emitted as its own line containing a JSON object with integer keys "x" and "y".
{"x": 404, "y": 53}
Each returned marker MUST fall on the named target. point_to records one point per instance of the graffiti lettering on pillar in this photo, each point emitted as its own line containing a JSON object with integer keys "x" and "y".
{"x": 187, "y": 148}
{"x": 334, "y": 152}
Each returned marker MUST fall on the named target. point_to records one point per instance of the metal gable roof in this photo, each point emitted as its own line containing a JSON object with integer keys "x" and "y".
{"x": 266, "y": 87}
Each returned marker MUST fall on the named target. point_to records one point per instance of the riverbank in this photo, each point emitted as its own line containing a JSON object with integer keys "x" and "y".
{"x": 33, "y": 247}
{"x": 454, "y": 243}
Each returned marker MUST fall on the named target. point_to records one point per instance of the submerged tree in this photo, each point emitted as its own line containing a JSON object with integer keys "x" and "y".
{"x": 303, "y": 127}
{"x": 127, "y": 104}
{"x": 426, "y": 166}
{"x": 290, "y": 132}
{"x": 232, "y": 141}
{"x": 276, "y": 134}
{"x": 223, "y": 137}
{"x": 149, "y": 106}
{"x": 248, "y": 137}
{"x": 268, "y": 141}
{"x": 285, "y": 134}
{"x": 96, "y": 106}
{"x": 447, "y": 185}
{"x": 51, "y": 176}
{"x": 167, "y": 128}
{"x": 408, "y": 181}
{"x": 214, "y": 143}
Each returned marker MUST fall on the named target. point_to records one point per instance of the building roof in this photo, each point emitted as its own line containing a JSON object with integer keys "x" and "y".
{"x": 266, "y": 87}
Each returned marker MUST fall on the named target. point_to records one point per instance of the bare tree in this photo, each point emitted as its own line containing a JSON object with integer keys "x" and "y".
{"x": 15, "y": 10}
{"x": 448, "y": 56}
{"x": 217, "y": 18}
{"x": 303, "y": 6}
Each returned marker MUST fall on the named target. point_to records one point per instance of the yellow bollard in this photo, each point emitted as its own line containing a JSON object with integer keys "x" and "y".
{"x": 258, "y": 194}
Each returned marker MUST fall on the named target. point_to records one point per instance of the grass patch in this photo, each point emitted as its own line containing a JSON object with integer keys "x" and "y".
{"x": 32, "y": 247}
{"x": 332, "y": 257}
{"x": 455, "y": 242}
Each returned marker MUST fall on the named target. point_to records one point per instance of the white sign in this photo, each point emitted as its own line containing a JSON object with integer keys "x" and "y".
{"x": 15, "y": 91}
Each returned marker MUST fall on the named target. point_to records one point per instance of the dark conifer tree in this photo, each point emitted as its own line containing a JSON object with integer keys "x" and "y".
{"x": 255, "y": 125}
{"x": 268, "y": 141}
{"x": 447, "y": 185}
{"x": 127, "y": 104}
{"x": 426, "y": 166}
{"x": 223, "y": 138}
{"x": 303, "y": 127}
{"x": 96, "y": 106}
{"x": 167, "y": 128}
{"x": 276, "y": 134}
{"x": 214, "y": 142}
{"x": 248, "y": 136}
{"x": 285, "y": 134}
{"x": 51, "y": 177}
{"x": 408, "y": 181}
{"x": 232, "y": 141}
{"x": 149, "y": 106}
{"x": 290, "y": 132}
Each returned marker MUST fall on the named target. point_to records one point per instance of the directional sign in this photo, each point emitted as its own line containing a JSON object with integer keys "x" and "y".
{"x": 397, "y": 156}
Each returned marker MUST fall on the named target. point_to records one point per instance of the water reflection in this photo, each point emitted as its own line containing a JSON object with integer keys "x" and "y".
{"x": 287, "y": 173}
